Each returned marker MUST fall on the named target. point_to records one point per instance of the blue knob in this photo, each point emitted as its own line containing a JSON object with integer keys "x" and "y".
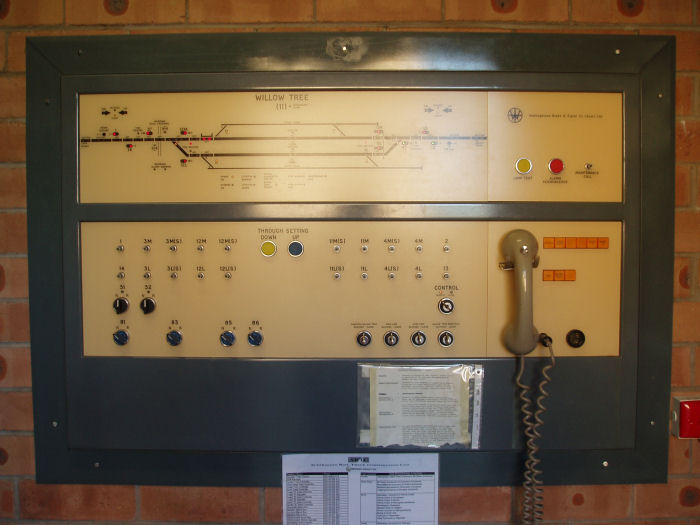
{"x": 173, "y": 338}
{"x": 227, "y": 338}
{"x": 255, "y": 338}
{"x": 121, "y": 337}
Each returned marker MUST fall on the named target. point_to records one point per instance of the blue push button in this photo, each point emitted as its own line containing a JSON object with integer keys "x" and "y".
{"x": 295, "y": 248}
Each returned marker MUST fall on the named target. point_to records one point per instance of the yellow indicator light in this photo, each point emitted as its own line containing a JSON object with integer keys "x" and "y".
{"x": 523, "y": 166}
{"x": 268, "y": 248}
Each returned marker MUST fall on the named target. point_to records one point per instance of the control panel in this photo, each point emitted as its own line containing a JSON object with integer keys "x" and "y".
{"x": 351, "y": 146}
{"x": 340, "y": 289}
{"x": 239, "y": 241}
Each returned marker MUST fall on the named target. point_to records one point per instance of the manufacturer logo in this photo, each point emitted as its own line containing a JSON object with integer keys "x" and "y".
{"x": 515, "y": 115}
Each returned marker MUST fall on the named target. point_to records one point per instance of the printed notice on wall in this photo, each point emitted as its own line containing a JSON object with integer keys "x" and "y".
{"x": 367, "y": 489}
{"x": 419, "y": 406}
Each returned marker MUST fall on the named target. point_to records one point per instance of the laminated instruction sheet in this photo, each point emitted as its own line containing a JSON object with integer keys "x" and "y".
{"x": 360, "y": 489}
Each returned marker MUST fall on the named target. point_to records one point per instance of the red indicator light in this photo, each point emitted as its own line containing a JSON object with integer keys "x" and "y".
{"x": 183, "y": 161}
{"x": 183, "y": 132}
{"x": 115, "y": 134}
{"x": 149, "y": 132}
{"x": 556, "y": 166}
{"x": 129, "y": 146}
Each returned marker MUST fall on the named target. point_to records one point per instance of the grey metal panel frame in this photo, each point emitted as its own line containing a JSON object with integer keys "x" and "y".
{"x": 637, "y": 384}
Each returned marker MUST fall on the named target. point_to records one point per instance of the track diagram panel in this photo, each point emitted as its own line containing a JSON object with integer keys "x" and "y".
{"x": 283, "y": 146}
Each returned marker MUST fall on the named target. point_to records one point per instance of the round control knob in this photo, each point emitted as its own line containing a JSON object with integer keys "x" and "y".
{"x": 121, "y": 337}
{"x": 173, "y": 337}
{"x": 446, "y": 305}
{"x": 418, "y": 338}
{"x": 575, "y": 338}
{"x": 391, "y": 338}
{"x": 120, "y": 305}
{"x": 147, "y": 305}
{"x": 445, "y": 338}
{"x": 255, "y": 338}
{"x": 364, "y": 338}
{"x": 227, "y": 338}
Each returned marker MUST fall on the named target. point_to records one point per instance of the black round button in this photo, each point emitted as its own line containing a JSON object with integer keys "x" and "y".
{"x": 364, "y": 338}
{"x": 575, "y": 338}
{"x": 120, "y": 305}
{"x": 147, "y": 305}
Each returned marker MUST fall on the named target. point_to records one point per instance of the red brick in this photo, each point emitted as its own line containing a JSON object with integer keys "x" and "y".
{"x": 688, "y": 140}
{"x": 12, "y": 98}
{"x": 530, "y": 11}
{"x": 18, "y": 455}
{"x": 33, "y": 13}
{"x": 686, "y": 322}
{"x": 12, "y": 145}
{"x": 16, "y": 411}
{"x": 695, "y": 447}
{"x": 14, "y": 188}
{"x": 681, "y": 277}
{"x": 377, "y": 10}
{"x": 76, "y": 502}
{"x": 680, "y": 366}
{"x": 678, "y": 455}
{"x": 685, "y": 87}
{"x": 675, "y": 499}
{"x": 687, "y": 235}
{"x": 654, "y": 12}
{"x": 89, "y": 12}
{"x": 683, "y": 177}
{"x": 687, "y": 48}
{"x": 13, "y": 278}
{"x": 13, "y": 233}
{"x": 273, "y": 505}
{"x": 3, "y": 51}
{"x": 207, "y": 504}
{"x": 474, "y": 504}
{"x": 7, "y": 500}
{"x": 241, "y": 11}
{"x": 14, "y": 322}
{"x": 580, "y": 502}
{"x": 16, "y": 368}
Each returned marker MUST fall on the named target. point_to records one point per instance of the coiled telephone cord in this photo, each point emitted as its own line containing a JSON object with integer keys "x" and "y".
{"x": 533, "y": 497}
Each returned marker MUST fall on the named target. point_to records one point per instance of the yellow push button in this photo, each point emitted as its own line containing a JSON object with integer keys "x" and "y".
{"x": 268, "y": 248}
{"x": 523, "y": 166}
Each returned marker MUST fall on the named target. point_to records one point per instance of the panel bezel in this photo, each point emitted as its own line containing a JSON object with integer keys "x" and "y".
{"x": 641, "y": 68}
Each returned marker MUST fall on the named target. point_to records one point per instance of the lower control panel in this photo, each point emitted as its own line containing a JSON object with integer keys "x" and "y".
{"x": 340, "y": 289}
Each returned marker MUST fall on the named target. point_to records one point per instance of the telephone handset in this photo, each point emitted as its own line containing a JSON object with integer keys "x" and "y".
{"x": 520, "y": 337}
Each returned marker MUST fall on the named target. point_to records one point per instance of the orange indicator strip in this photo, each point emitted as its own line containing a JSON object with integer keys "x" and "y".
{"x": 558, "y": 275}
{"x": 589, "y": 243}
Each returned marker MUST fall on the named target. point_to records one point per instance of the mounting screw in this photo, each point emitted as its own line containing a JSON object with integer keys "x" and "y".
{"x": 605, "y": 464}
{"x": 617, "y": 52}
{"x": 96, "y": 464}
{"x": 54, "y": 424}
{"x": 660, "y": 95}
{"x": 652, "y": 423}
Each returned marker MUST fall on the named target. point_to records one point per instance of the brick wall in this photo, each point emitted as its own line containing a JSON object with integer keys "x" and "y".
{"x": 21, "y": 499}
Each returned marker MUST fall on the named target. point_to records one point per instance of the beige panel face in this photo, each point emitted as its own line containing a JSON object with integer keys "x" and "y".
{"x": 353, "y": 146}
{"x": 590, "y": 303}
{"x": 580, "y": 133}
{"x": 211, "y": 277}
{"x": 283, "y": 146}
